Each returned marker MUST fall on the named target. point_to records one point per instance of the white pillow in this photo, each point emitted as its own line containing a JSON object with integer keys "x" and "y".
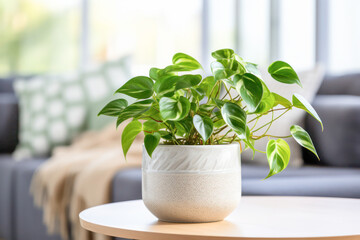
{"x": 311, "y": 81}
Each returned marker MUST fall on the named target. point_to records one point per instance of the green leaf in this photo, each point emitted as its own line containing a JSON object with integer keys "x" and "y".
{"x": 235, "y": 117}
{"x": 183, "y": 127}
{"x": 218, "y": 70}
{"x": 165, "y": 135}
{"x": 114, "y": 108}
{"x": 278, "y": 155}
{"x": 138, "y": 87}
{"x": 151, "y": 126}
{"x": 250, "y": 88}
{"x": 174, "y": 109}
{"x": 300, "y": 102}
{"x": 186, "y": 61}
{"x": 303, "y": 138}
{"x": 252, "y": 68}
{"x": 151, "y": 141}
{"x": 206, "y": 85}
{"x": 283, "y": 72}
{"x": 129, "y": 134}
{"x": 266, "y": 104}
{"x": 223, "y": 53}
{"x": 154, "y": 73}
{"x": 187, "y": 81}
{"x": 167, "y": 86}
{"x": 134, "y": 110}
{"x": 204, "y": 126}
{"x": 281, "y": 100}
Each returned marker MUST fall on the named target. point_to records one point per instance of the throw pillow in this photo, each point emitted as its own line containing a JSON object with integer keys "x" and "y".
{"x": 55, "y": 109}
{"x": 100, "y": 86}
{"x": 311, "y": 81}
{"x": 52, "y": 112}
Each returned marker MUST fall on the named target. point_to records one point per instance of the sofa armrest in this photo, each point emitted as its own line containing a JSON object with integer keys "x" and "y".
{"x": 339, "y": 143}
{"x": 9, "y": 122}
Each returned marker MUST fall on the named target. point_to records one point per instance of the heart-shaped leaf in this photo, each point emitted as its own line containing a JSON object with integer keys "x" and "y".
{"x": 252, "y": 68}
{"x": 223, "y": 53}
{"x": 235, "y": 118}
{"x": 134, "y": 110}
{"x": 174, "y": 109}
{"x": 283, "y": 72}
{"x": 206, "y": 85}
{"x": 250, "y": 88}
{"x": 281, "y": 100}
{"x": 168, "y": 85}
{"x": 218, "y": 70}
{"x": 300, "y": 102}
{"x": 303, "y": 138}
{"x": 129, "y": 134}
{"x": 114, "y": 108}
{"x": 204, "y": 126}
{"x": 278, "y": 155}
{"x": 265, "y": 105}
{"x": 151, "y": 126}
{"x": 183, "y": 127}
{"x": 186, "y": 61}
{"x": 140, "y": 87}
{"x": 151, "y": 141}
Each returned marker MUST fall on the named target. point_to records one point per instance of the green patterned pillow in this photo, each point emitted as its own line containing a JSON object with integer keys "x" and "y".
{"x": 99, "y": 88}
{"x": 55, "y": 109}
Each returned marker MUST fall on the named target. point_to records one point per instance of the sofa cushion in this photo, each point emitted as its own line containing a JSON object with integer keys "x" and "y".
{"x": 304, "y": 181}
{"x": 7, "y": 169}
{"x": 127, "y": 185}
{"x": 338, "y": 145}
{"x": 345, "y": 84}
{"x": 28, "y": 218}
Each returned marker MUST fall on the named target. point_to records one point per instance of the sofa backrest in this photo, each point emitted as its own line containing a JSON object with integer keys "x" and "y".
{"x": 9, "y": 117}
{"x": 348, "y": 84}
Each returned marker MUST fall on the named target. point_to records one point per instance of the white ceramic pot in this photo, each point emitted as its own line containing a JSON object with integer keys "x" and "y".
{"x": 192, "y": 183}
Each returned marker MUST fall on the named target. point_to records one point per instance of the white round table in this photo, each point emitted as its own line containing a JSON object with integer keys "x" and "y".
{"x": 256, "y": 218}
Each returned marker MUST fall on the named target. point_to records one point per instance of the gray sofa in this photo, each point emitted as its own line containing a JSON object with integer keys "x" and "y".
{"x": 337, "y": 175}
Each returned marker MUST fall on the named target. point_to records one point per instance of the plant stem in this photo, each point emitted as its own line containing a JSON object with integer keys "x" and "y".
{"x": 272, "y": 110}
{"x": 271, "y": 121}
{"x": 269, "y": 135}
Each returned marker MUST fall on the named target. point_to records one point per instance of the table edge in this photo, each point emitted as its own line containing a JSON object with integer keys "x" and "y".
{"x": 144, "y": 235}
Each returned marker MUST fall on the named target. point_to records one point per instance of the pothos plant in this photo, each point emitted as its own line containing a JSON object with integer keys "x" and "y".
{"x": 179, "y": 107}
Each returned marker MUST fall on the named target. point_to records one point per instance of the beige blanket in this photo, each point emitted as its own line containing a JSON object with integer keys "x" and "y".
{"x": 78, "y": 177}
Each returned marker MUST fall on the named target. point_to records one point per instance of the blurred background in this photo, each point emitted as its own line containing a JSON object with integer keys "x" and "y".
{"x": 41, "y": 36}
{"x": 62, "y": 60}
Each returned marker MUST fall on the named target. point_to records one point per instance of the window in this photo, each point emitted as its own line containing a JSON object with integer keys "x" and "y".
{"x": 150, "y": 31}
{"x": 344, "y": 36}
{"x": 38, "y": 36}
{"x": 50, "y": 36}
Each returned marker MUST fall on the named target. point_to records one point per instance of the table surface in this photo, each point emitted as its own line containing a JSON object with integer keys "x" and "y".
{"x": 255, "y": 218}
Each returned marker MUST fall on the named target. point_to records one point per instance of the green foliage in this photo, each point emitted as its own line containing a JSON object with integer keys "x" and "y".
{"x": 278, "y": 155}
{"x": 114, "y": 108}
{"x": 300, "y": 102}
{"x": 129, "y": 134}
{"x": 180, "y": 107}
{"x": 151, "y": 141}
{"x": 138, "y": 87}
{"x": 204, "y": 126}
{"x": 303, "y": 138}
{"x": 283, "y": 72}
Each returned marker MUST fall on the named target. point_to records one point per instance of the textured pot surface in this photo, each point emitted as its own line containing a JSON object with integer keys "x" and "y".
{"x": 192, "y": 183}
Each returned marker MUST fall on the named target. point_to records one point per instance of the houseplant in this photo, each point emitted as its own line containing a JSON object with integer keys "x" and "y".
{"x": 195, "y": 128}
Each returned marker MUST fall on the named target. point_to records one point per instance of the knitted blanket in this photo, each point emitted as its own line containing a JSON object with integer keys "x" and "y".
{"x": 79, "y": 176}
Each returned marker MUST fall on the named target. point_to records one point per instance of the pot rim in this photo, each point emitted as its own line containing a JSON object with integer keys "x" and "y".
{"x": 198, "y": 146}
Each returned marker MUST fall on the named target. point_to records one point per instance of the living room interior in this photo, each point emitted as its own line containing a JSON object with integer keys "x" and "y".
{"x": 193, "y": 119}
